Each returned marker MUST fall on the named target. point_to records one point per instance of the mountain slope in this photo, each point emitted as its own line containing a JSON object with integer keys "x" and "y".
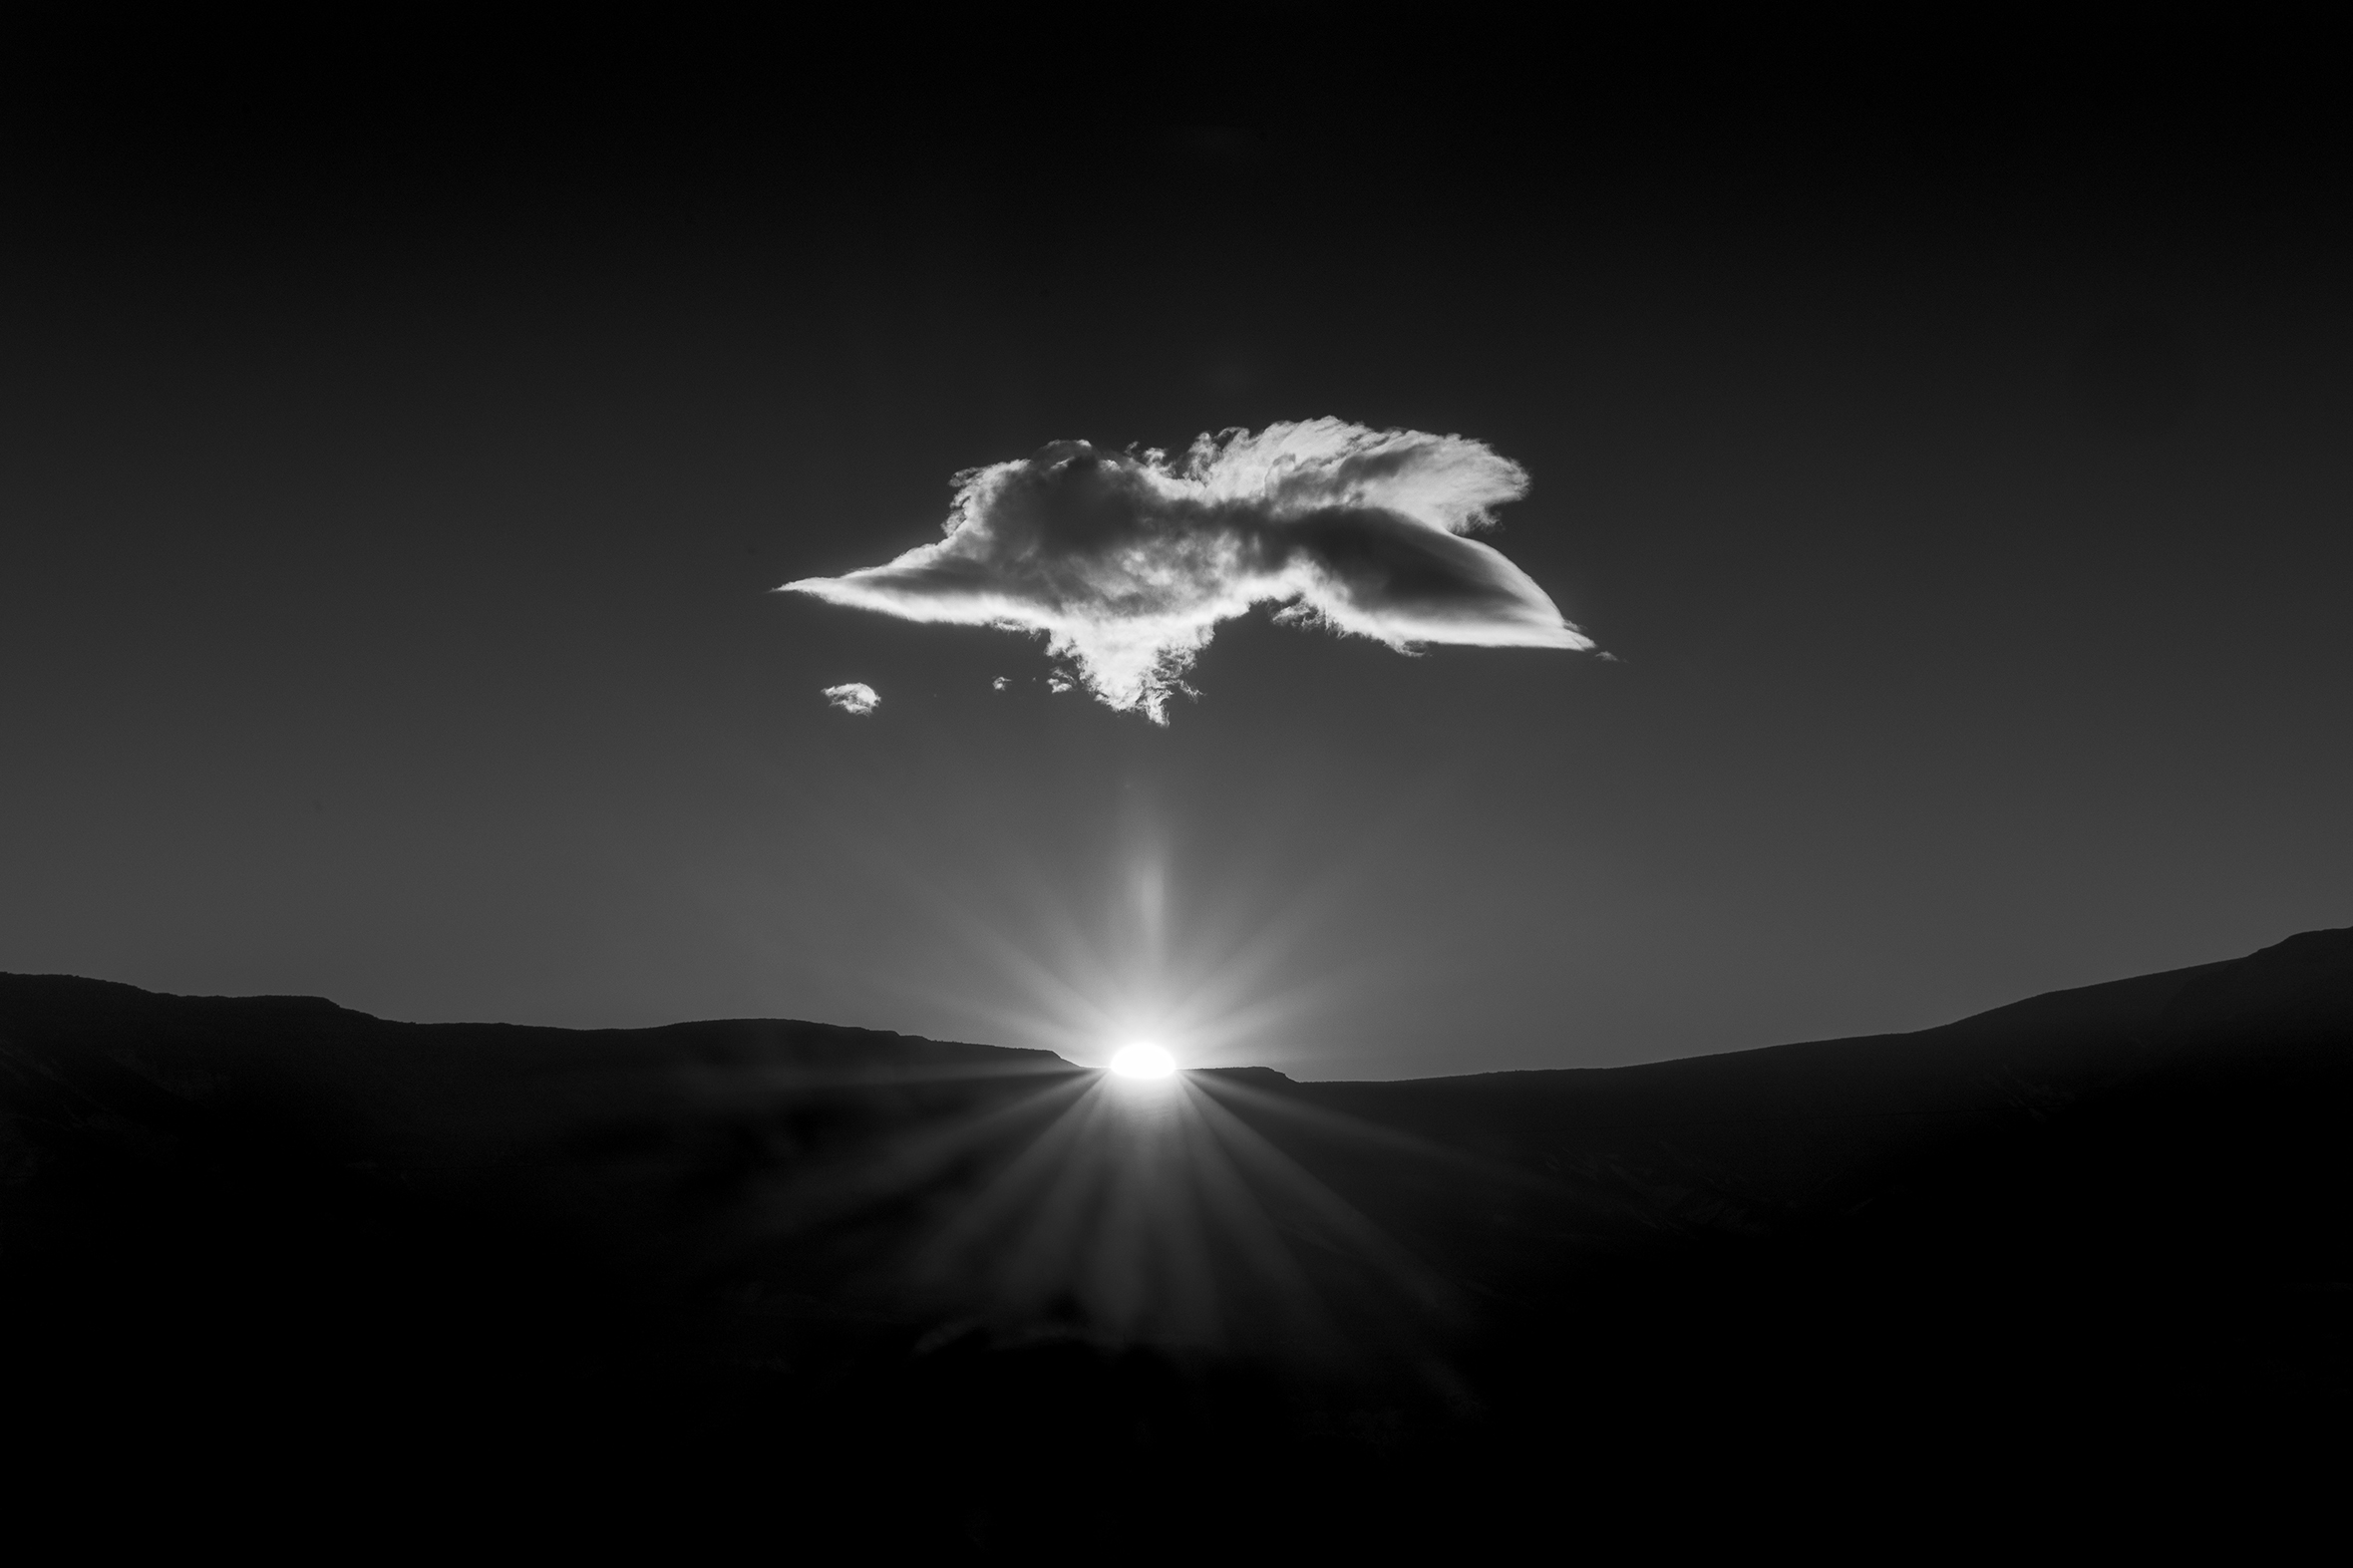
{"x": 766, "y": 1265}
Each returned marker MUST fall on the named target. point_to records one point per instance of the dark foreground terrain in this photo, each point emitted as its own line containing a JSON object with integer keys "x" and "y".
{"x": 278, "y": 1274}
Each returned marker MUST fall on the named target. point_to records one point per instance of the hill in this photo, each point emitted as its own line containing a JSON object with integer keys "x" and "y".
{"x": 2087, "y": 1255}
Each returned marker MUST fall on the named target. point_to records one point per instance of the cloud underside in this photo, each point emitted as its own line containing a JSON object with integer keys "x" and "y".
{"x": 1125, "y": 563}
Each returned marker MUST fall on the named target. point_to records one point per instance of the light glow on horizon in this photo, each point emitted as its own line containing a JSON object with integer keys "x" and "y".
{"x": 1142, "y": 1060}
{"x": 1125, "y": 1197}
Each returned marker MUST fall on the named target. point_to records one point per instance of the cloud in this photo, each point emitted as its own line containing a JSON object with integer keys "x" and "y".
{"x": 856, "y": 698}
{"x": 1126, "y": 562}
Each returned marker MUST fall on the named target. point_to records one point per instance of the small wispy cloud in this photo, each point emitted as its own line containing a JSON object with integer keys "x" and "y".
{"x": 856, "y": 696}
{"x": 1127, "y": 562}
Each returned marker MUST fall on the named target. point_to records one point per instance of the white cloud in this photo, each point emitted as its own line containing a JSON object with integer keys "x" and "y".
{"x": 1127, "y": 563}
{"x": 856, "y": 698}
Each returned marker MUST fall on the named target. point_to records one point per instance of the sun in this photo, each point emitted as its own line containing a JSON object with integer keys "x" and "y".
{"x": 1142, "y": 1060}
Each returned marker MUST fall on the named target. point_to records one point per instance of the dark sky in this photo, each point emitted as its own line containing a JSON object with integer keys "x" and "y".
{"x": 403, "y": 426}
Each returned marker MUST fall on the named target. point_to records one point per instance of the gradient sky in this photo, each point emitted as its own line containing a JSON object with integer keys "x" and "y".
{"x": 402, "y": 435}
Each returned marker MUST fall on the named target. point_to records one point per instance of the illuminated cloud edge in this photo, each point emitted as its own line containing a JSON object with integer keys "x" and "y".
{"x": 1127, "y": 562}
{"x": 856, "y": 696}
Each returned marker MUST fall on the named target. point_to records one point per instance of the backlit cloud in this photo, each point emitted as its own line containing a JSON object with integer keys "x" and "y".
{"x": 1126, "y": 562}
{"x": 856, "y": 698}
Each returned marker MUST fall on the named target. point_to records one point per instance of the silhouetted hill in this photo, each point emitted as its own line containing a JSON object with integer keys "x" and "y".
{"x": 2088, "y": 1251}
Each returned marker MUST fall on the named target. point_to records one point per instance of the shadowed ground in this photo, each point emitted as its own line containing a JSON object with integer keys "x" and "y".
{"x": 282, "y": 1270}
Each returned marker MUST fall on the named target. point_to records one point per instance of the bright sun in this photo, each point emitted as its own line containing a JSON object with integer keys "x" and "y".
{"x": 1143, "y": 1060}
